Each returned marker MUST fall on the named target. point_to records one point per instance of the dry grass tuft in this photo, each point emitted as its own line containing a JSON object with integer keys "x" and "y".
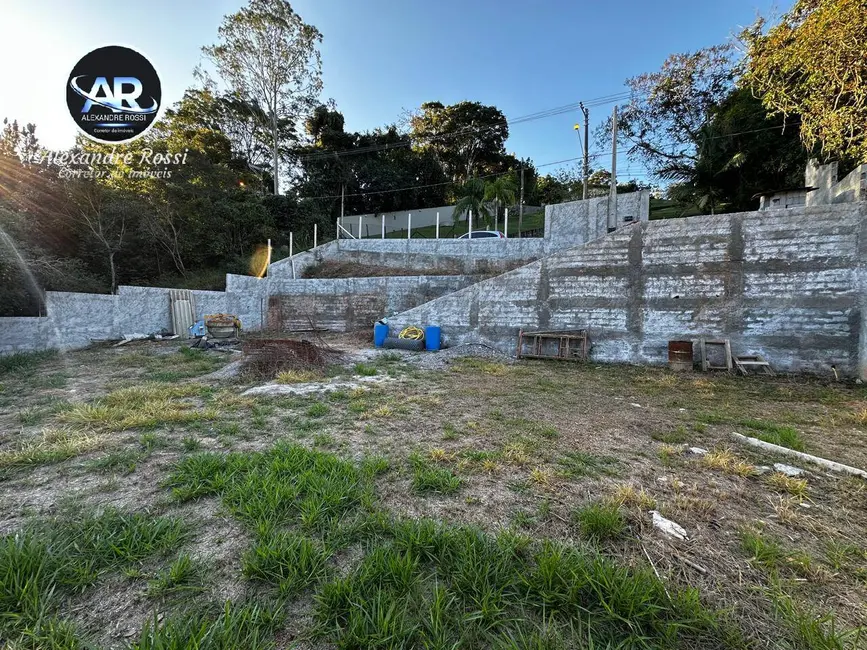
{"x": 783, "y": 507}
{"x": 297, "y": 376}
{"x": 627, "y": 495}
{"x": 541, "y": 475}
{"x": 439, "y": 455}
{"x": 797, "y": 487}
{"x": 726, "y": 461}
{"x": 53, "y": 446}
{"x": 701, "y": 508}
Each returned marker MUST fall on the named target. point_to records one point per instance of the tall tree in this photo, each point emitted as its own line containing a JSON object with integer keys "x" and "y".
{"x": 467, "y": 138}
{"x": 661, "y": 125}
{"x": 268, "y": 56}
{"x": 813, "y": 64}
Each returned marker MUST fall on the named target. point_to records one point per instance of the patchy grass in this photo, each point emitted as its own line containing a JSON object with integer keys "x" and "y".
{"x": 58, "y": 556}
{"x": 24, "y": 362}
{"x": 673, "y": 437}
{"x": 426, "y": 478}
{"x": 797, "y": 487}
{"x": 776, "y": 434}
{"x": 183, "y": 575}
{"x": 600, "y": 521}
{"x": 365, "y": 370}
{"x": 576, "y": 464}
{"x": 626, "y": 494}
{"x": 53, "y": 446}
{"x": 725, "y": 460}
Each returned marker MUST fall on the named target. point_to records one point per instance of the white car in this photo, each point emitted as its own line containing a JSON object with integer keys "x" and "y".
{"x": 483, "y": 234}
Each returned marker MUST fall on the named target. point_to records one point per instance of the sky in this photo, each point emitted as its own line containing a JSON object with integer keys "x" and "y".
{"x": 381, "y": 57}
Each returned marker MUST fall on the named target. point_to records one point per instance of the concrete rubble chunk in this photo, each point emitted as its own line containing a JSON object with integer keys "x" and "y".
{"x": 788, "y": 470}
{"x": 698, "y": 451}
{"x": 668, "y": 527}
{"x": 761, "y": 469}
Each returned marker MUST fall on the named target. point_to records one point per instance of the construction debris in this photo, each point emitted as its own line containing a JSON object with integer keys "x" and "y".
{"x": 566, "y": 345}
{"x": 266, "y": 358}
{"x": 668, "y": 527}
{"x": 823, "y": 462}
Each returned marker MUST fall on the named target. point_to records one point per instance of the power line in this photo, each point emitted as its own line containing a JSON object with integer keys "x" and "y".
{"x": 558, "y": 110}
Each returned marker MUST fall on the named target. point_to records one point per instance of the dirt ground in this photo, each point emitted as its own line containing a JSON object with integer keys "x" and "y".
{"x": 531, "y": 443}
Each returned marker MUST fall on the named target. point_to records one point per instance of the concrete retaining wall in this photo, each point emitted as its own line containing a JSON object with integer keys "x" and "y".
{"x": 786, "y": 284}
{"x": 352, "y": 303}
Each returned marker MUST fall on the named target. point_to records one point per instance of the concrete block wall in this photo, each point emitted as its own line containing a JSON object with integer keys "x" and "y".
{"x": 787, "y": 284}
{"x": 351, "y": 303}
{"x": 566, "y": 225}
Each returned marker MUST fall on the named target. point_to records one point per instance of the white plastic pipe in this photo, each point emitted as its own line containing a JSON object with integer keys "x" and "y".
{"x": 383, "y": 226}
{"x": 359, "y": 226}
{"x": 506, "y": 223}
{"x": 470, "y": 224}
{"x": 438, "y": 225}
{"x": 315, "y": 235}
{"x": 409, "y": 225}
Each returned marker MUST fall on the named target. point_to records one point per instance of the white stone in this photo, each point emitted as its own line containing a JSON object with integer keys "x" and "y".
{"x": 698, "y": 451}
{"x": 788, "y": 470}
{"x": 668, "y": 527}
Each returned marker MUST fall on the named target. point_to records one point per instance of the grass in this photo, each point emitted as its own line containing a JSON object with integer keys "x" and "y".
{"x": 123, "y": 461}
{"x": 182, "y": 575}
{"x": 628, "y": 495}
{"x": 247, "y": 626}
{"x": 434, "y": 479}
{"x": 53, "y": 446}
{"x": 365, "y": 370}
{"x": 58, "y": 556}
{"x": 576, "y": 464}
{"x": 297, "y": 377}
{"x": 673, "y": 437}
{"x": 776, "y": 434}
{"x": 600, "y": 521}
{"x": 797, "y": 487}
{"x": 318, "y": 410}
{"x": 23, "y": 362}
{"x": 768, "y": 553}
{"x": 146, "y": 405}
{"x": 292, "y": 561}
{"x": 441, "y": 586}
{"x": 725, "y": 460}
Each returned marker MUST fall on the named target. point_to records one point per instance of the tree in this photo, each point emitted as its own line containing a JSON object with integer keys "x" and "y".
{"x": 662, "y": 123}
{"x": 742, "y": 151}
{"x": 269, "y": 58}
{"x": 471, "y": 197}
{"x": 813, "y": 64}
{"x": 500, "y": 191}
{"x": 467, "y": 138}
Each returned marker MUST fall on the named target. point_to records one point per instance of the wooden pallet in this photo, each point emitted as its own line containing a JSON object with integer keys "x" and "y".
{"x": 571, "y": 345}
{"x": 746, "y": 362}
{"x": 706, "y": 365}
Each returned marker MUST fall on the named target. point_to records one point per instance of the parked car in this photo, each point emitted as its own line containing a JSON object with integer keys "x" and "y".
{"x": 483, "y": 234}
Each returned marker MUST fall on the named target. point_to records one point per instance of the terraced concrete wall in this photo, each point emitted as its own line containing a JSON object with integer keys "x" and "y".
{"x": 786, "y": 284}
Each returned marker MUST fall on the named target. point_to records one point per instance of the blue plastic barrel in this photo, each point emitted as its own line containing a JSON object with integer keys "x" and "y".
{"x": 380, "y": 333}
{"x": 432, "y": 335}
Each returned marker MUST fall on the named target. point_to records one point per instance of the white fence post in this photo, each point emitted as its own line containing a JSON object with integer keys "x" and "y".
{"x": 291, "y": 260}
{"x": 337, "y": 233}
{"x": 470, "y": 224}
{"x": 438, "y": 225}
{"x": 315, "y": 234}
{"x": 359, "y": 226}
{"x": 383, "y": 226}
{"x": 506, "y": 223}
{"x": 409, "y": 225}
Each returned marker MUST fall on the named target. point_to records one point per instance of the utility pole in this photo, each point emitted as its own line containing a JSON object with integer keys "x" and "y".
{"x": 521, "y": 203}
{"x": 612, "y": 197}
{"x": 586, "y": 147}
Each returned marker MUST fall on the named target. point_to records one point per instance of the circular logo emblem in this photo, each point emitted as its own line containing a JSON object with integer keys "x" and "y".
{"x": 113, "y": 94}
